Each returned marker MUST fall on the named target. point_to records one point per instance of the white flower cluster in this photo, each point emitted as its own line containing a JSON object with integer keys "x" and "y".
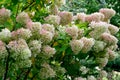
{"x": 5, "y": 35}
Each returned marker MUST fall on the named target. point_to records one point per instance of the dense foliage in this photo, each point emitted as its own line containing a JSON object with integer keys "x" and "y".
{"x": 37, "y": 41}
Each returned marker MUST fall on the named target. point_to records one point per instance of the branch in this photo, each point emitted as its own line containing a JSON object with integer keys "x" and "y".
{"x": 30, "y": 5}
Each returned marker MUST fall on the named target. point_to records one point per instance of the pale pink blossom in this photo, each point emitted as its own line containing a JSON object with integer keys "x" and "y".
{"x": 113, "y": 29}
{"x": 88, "y": 44}
{"x": 53, "y": 19}
{"x": 76, "y": 46}
{"x": 21, "y": 33}
{"x": 109, "y": 39}
{"x": 108, "y": 13}
{"x": 66, "y": 17}
{"x": 23, "y": 18}
{"x": 46, "y": 36}
{"x": 72, "y": 31}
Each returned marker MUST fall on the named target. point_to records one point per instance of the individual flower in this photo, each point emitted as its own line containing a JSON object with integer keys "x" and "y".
{"x": 53, "y": 19}
{"x": 35, "y": 47}
{"x": 46, "y": 36}
{"x": 3, "y": 51}
{"x": 88, "y": 43}
{"x": 113, "y": 29}
{"x": 66, "y": 17}
{"x": 102, "y": 62}
{"x": 97, "y": 29}
{"x": 99, "y": 46}
{"x": 91, "y": 78}
{"x": 46, "y": 71}
{"x": 109, "y": 39}
{"x": 76, "y": 46}
{"x": 22, "y": 33}
{"x": 48, "y": 51}
{"x": 5, "y": 35}
{"x": 4, "y": 15}
{"x": 49, "y": 28}
{"x": 23, "y": 18}
{"x": 72, "y": 31}
{"x": 108, "y": 13}
{"x": 81, "y": 17}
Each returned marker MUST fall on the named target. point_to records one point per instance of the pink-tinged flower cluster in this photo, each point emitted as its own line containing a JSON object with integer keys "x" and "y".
{"x": 48, "y": 51}
{"x": 88, "y": 44}
{"x": 21, "y": 33}
{"x": 66, "y": 17}
{"x": 53, "y": 19}
{"x": 49, "y": 28}
{"x": 102, "y": 62}
{"x": 99, "y": 46}
{"x": 109, "y": 39}
{"x": 19, "y": 49}
{"x": 97, "y": 17}
{"x": 95, "y": 25}
{"x": 112, "y": 54}
{"x": 35, "y": 28}
{"x": 4, "y": 14}
{"x": 72, "y": 31}
{"x": 113, "y": 29}
{"x": 81, "y": 17}
{"x": 5, "y": 35}
{"x": 35, "y": 47}
{"x": 76, "y": 46}
{"x": 108, "y": 13}
{"x": 23, "y": 18}
{"x": 46, "y": 36}
{"x": 46, "y": 72}
{"x": 97, "y": 29}
{"x": 3, "y": 51}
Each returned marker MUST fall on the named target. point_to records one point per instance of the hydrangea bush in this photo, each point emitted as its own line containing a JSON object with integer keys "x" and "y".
{"x": 65, "y": 47}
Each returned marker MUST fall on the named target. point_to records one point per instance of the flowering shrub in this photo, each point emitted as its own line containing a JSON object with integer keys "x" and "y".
{"x": 65, "y": 47}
